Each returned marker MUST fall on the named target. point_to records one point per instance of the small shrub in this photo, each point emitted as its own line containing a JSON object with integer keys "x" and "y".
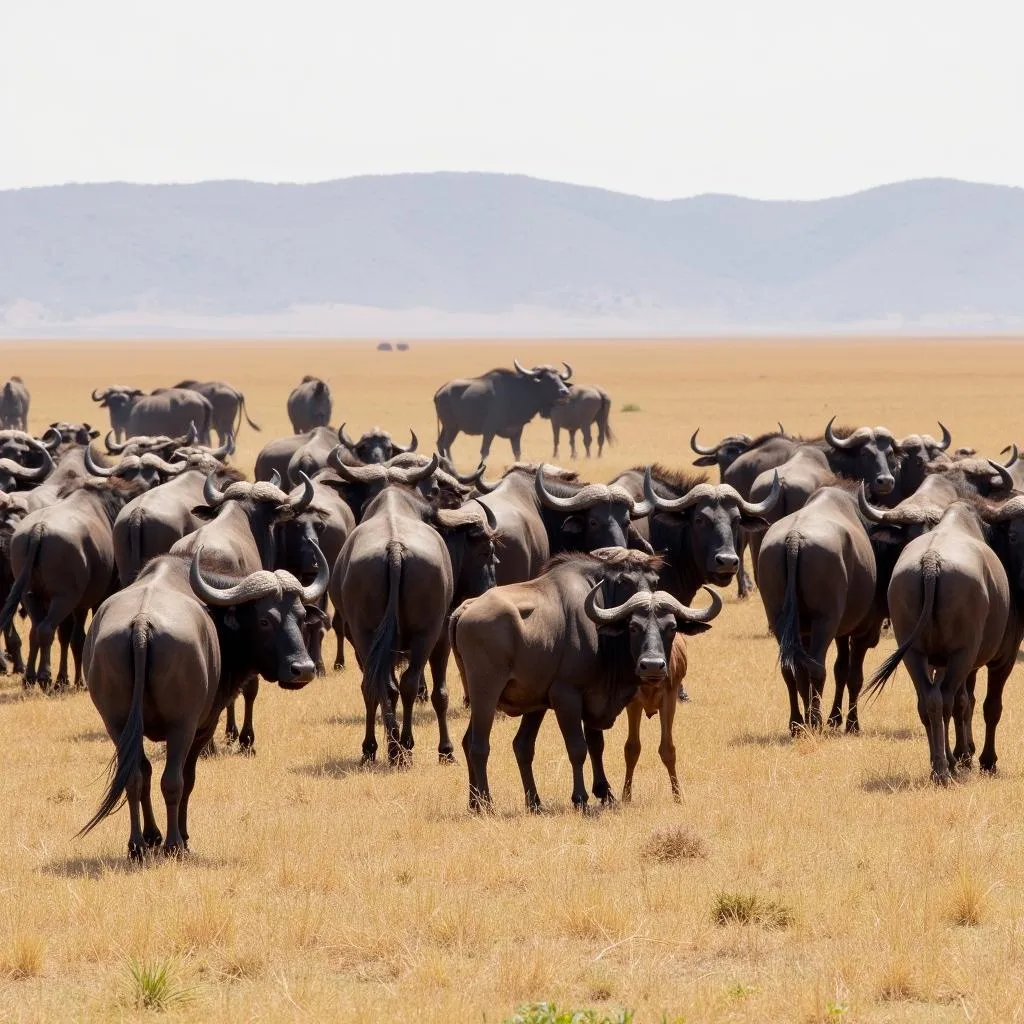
{"x": 153, "y": 987}
{"x": 631, "y": 407}
{"x": 677, "y": 842}
{"x": 749, "y": 908}
{"x": 548, "y": 1013}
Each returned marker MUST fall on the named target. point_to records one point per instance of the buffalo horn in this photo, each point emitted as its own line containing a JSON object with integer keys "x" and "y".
{"x": 524, "y": 373}
{"x": 94, "y": 467}
{"x": 256, "y": 585}
{"x": 313, "y": 593}
{"x": 415, "y": 474}
{"x": 299, "y": 503}
{"x": 698, "y": 449}
{"x": 354, "y": 474}
{"x": 214, "y": 497}
{"x": 568, "y": 371}
{"x": 769, "y": 502}
{"x": 492, "y": 522}
{"x": 98, "y": 395}
{"x": 663, "y": 599}
{"x": 1006, "y": 480}
{"x": 345, "y": 439}
{"x": 1014, "y": 455}
{"x": 413, "y": 444}
{"x": 51, "y": 439}
{"x": 114, "y": 447}
{"x": 830, "y": 437}
{"x": 947, "y": 437}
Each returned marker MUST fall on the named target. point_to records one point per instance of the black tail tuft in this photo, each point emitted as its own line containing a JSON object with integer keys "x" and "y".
{"x": 381, "y": 659}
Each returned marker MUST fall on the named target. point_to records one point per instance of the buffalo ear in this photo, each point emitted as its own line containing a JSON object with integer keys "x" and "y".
{"x": 754, "y": 524}
{"x": 572, "y": 524}
{"x": 613, "y": 629}
{"x": 94, "y": 433}
{"x": 317, "y": 616}
{"x": 692, "y": 628}
{"x": 706, "y": 460}
{"x": 204, "y": 512}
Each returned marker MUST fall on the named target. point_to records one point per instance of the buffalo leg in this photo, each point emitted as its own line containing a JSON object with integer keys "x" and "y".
{"x": 150, "y": 831}
{"x": 247, "y": 737}
{"x": 338, "y": 625}
{"x": 439, "y": 697}
{"x": 572, "y": 442}
{"x": 587, "y": 438}
{"x": 796, "y": 720}
{"x": 230, "y": 725}
{"x": 842, "y": 674}
{"x": 556, "y": 432}
{"x": 136, "y": 838}
{"x": 962, "y": 759}
{"x": 409, "y": 687}
{"x": 60, "y": 608}
{"x": 516, "y": 440}
{"x": 78, "y": 645}
{"x": 972, "y": 680}
{"x": 64, "y": 631}
{"x": 744, "y": 585}
{"x": 568, "y": 708}
{"x": 13, "y": 644}
{"x": 36, "y": 612}
{"x": 822, "y": 635}
{"x": 631, "y": 751}
{"x": 445, "y": 440}
{"x": 993, "y": 710}
{"x": 476, "y": 745}
{"x": 485, "y": 446}
{"x": 172, "y": 785}
{"x": 595, "y": 747}
{"x": 929, "y": 707}
{"x": 523, "y": 746}
{"x": 188, "y": 776}
{"x": 667, "y": 747}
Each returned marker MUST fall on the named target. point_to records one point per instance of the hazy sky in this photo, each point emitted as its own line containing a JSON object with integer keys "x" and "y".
{"x": 782, "y": 99}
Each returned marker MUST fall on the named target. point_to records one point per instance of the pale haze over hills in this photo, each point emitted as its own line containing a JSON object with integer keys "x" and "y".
{"x": 457, "y": 254}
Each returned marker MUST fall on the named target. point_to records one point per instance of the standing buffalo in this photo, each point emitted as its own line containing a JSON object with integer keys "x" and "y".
{"x": 498, "y": 404}
{"x": 165, "y": 656}
{"x": 375, "y": 446}
{"x": 118, "y": 401}
{"x": 228, "y": 405}
{"x": 171, "y": 411}
{"x": 14, "y": 400}
{"x": 583, "y": 406}
{"x": 547, "y": 643}
{"x": 955, "y": 601}
{"x": 309, "y": 405}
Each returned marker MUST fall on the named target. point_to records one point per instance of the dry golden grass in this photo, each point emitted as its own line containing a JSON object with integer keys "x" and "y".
{"x": 321, "y": 891}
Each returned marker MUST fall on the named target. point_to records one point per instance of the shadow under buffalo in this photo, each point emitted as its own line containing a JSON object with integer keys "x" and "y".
{"x": 337, "y": 767}
{"x": 96, "y": 867}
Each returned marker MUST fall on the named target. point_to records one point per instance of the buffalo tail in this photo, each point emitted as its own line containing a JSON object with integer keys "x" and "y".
{"x": 603, "y": 423}
{"x": 127, "y": 758}
{"x": 792, "y": 655}
{"x": 381, "y": 659}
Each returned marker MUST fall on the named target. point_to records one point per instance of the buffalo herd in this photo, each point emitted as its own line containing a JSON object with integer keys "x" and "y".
{"x": 549, "y": 592}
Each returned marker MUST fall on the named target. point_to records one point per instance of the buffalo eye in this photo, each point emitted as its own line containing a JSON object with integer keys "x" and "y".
{"x": 635, "y": 627}
{"x": 265, "y": 622}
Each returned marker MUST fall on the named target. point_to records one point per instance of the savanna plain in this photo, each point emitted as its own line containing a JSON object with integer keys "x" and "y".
{"x": 320, "y": 890}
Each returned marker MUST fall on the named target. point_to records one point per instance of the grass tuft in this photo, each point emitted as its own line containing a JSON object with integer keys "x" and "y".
{"x": 676, "y": 842}
{"x": 750, "y": 908}
{"x": 23, "y": 958}
{"x": 548, "y": 1013}
{"x": 631, "y": 407}
{"x": 153, "y": 987}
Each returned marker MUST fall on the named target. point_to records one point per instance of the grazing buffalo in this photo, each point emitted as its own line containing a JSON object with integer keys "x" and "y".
{"x": 239, "y": 535}
{"x": 547, "y": 643}
{"x": 62, "y": 557}
{"x": 955, "y": 602}
{"x": 375, "y": 446}
{"x": 584, "y": 406}
{"x": 498, "y": 404}
{"x": 166, "y": 655}
{"x": 309, "y": 405}
{"x": 171, "y": 411}
{"x": 394, "y": 583}
{"x": 118, "y": 401}
{"x": 228, "y": 406}
{"x": 817, "y": 576}
{"x": 14, "y": 401}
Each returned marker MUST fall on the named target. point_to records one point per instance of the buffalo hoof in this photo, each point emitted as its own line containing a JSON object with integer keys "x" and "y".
{"x": 835, "y": 720}
{"x": 152, "y": 839}
{"x": 247, "y": 750}
{"x": 247, "y": 743}
{"x": 3, "y": 667}
{"x": 422, "y": 696}
{"x": 210, "y": 750}
{"x": 446, "y": 757}
{"x": 796, "y": 727}
{"x": 231, "y": 734}
{"x": 339, "y": 666}
{"x": 987, "y": 768}
{"x": 942, "y": 778}
{"x": 852, "y": 727}
{"x": 533, "y": 804}
{"x": 320, "y": 669}
{"x": 176, "y": 851}
{"x": 965, "y": 763}
{"x": 136, "y": 851}
{"x": 684, "y": 697}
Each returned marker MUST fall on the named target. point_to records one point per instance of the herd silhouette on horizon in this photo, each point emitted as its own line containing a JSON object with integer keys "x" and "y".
{"x": 174, "y": 583}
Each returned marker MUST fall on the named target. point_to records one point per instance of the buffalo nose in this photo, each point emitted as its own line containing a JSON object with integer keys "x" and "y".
{"x": 728, "y": 561}
{"x": 650, "y": 666}
{"x": 884, "y": 484}
{"x": 302, "y": 670}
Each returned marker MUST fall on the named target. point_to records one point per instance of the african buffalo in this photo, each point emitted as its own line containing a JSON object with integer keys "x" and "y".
{"x": 14, "y": 402}
{"x": 309, "y": 405}
{"x": 547, "y": 643}
{"x": 239, "y": 536}
{"x": 228, "y": 405}
{"x": 498, "y": 404}
{"x": 165, "y": 656}
{"x": 394, "y": 581}
{"x": 62, "y": 557}
{"x": 118, "y": 401}
{"x": 375, "y": 446}
{"x": 955, "y": 601}
{"x": 584, "y": 406}
{"x": 170, "y": 411}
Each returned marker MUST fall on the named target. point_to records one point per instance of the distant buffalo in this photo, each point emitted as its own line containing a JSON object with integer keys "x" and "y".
{"x": 583, "y": 407}
{"x": 309, "y": 405}
{"x": 228, "y": 405}
{"x": 14, "y": 399}
{"x": 498, "y": 404}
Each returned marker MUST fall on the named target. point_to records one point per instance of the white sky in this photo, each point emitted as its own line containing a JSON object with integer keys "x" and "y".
{"x": 766, "y": 98}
